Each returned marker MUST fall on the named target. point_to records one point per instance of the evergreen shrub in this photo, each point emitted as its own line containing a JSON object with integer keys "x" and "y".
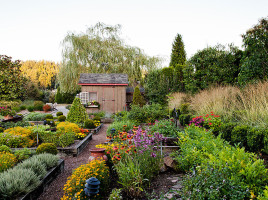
{"x": 185, "y": 119}
{"x": 89, "y": 124}
{"x": 59, "y": 114}
{"x": 77, "y": 113}
{"x": 38, "y": 105}
{"x": 49, "y": 116}
{"x": 47, "y": 148}
{"x": 61, "y": 118}
{"x": 30, "y": 108}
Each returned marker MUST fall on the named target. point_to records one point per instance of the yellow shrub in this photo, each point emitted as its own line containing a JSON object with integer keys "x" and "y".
{"x": 19, "y": 131}
{"x": 68, "y": 127}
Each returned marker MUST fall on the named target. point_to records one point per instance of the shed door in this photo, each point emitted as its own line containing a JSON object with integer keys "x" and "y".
{"x": 108, "y": 100}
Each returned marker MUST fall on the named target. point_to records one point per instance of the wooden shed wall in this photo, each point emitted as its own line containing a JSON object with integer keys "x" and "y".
{"x": 111, "y": 98}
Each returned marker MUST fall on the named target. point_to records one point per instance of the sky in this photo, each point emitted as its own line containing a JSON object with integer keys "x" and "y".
{"x": 35, "y": 29}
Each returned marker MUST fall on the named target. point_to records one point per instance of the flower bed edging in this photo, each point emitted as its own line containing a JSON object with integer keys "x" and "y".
{"x": 51, "y": 175}
{"x": 95, "y": 130}
{"x": 77, "y": 149}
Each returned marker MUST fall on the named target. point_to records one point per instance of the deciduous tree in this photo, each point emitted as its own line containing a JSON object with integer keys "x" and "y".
{"x": 101, "y": 50}
{"x": 11, "y": 80}
{"x": 255, "y": 60}
{"x": 41, "y": 73}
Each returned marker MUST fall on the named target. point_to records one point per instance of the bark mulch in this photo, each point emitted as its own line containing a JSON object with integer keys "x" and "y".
{"x": 55, "y": 189}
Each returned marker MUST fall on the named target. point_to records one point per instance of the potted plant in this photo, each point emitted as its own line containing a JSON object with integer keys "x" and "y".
{"x": 7, "y": 113}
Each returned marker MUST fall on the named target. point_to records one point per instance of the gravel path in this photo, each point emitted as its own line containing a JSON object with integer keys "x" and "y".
{"x": 55, "y": 189}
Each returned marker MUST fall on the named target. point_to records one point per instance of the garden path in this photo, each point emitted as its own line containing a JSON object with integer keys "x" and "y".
{"x": 61, "y": 108}
{"x": 55, "y": 189}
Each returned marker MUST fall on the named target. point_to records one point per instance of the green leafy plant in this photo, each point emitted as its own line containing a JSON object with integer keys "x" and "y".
{"x": 77, "y": 113}
{"x": 30, "y": 108}
{"x": 47, "y": 148}
{"x": 5, "y": 149}
{"x": 120, "y": 126}
{"x": 166, "y": 128}
{"x": 239, "y": 135}
{"x": 199, "y": 147}
{"x": 210, "y": 183}
{"x": 16, "y": 109}
{"x": 11, "y": 79}
{"x": 38, "y": 105}
{"x": 185, "y": 119}
{"x": 66, "y": 139}
{"x": 59, "y": 114}
{"x": 23, "y": 154}
{"x": 146, "y": 114}
{"x": 35, "y": 116}
{"x": 22, "y": 107}
{"x": 89, "y": 124}
{"x": 49, "y": 116}
{"x": 130, "y": 176}
{"x": 138, "y": 98}
{"x": 4, "y": 111}
{"x": 115, "y": 194}
{"x": 61, "y": 118}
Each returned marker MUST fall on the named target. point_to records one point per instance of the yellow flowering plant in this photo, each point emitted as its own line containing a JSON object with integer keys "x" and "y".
{"x": 7, "y": 160}
{"x": 68, "y": 127}
{"x": 17, "y": 137}
{"x": 74, "y": 188}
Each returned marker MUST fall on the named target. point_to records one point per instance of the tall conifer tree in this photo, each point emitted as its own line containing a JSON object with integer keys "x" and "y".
{"x": 178, "y": 55}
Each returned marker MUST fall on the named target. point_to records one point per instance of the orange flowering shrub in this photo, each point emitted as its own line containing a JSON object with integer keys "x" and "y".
{"x": 7, "y": 160}
{"x": 82, "y": 134}
{"x": 74, "y": 188}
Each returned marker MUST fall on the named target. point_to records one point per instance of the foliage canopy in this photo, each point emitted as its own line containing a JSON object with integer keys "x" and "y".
{"x": 101, "y": 50}
{"x": 255, "y": 59}
{"x": 11, "y": 80}
{"x": 41, "y": 73}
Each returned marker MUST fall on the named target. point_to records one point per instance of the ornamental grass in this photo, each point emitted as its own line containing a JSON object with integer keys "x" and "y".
{"x": 74, "y": 188}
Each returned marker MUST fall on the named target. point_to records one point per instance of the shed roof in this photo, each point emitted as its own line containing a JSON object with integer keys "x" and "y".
{"x": 103, "y": 79}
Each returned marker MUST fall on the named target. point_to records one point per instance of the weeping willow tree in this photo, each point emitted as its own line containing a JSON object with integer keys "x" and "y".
{"x": 101, "y": 50}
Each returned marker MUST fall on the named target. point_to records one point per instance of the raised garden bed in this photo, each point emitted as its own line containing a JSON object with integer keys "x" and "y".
{"x": 75, "y": 149}
{"x": 51, "y": 175}
{"x": 36, "y": 122}
{"x": 95, "y": 130}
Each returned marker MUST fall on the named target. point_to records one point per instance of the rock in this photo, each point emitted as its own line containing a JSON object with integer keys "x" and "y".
{"x": 163, "y": 168}
{"x": 169, "y": 196}
{"x": 169, "y": 162}
{"x": 177, "y": 187}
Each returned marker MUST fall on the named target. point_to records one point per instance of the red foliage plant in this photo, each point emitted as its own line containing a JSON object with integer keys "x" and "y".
{"x": 46, "y": 108}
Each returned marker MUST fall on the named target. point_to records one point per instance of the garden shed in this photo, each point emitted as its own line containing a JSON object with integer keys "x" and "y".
{"x": 103, "y": 92}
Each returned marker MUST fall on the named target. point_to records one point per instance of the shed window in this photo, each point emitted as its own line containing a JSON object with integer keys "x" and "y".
{"x": 84, "y": 96}
{"x": 92, "y": 96}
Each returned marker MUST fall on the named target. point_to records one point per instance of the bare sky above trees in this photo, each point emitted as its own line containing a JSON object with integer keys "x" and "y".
{"x": 34, "y": 30}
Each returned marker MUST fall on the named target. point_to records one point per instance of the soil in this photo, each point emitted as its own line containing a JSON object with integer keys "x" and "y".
{"x": 159, "y": 186}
